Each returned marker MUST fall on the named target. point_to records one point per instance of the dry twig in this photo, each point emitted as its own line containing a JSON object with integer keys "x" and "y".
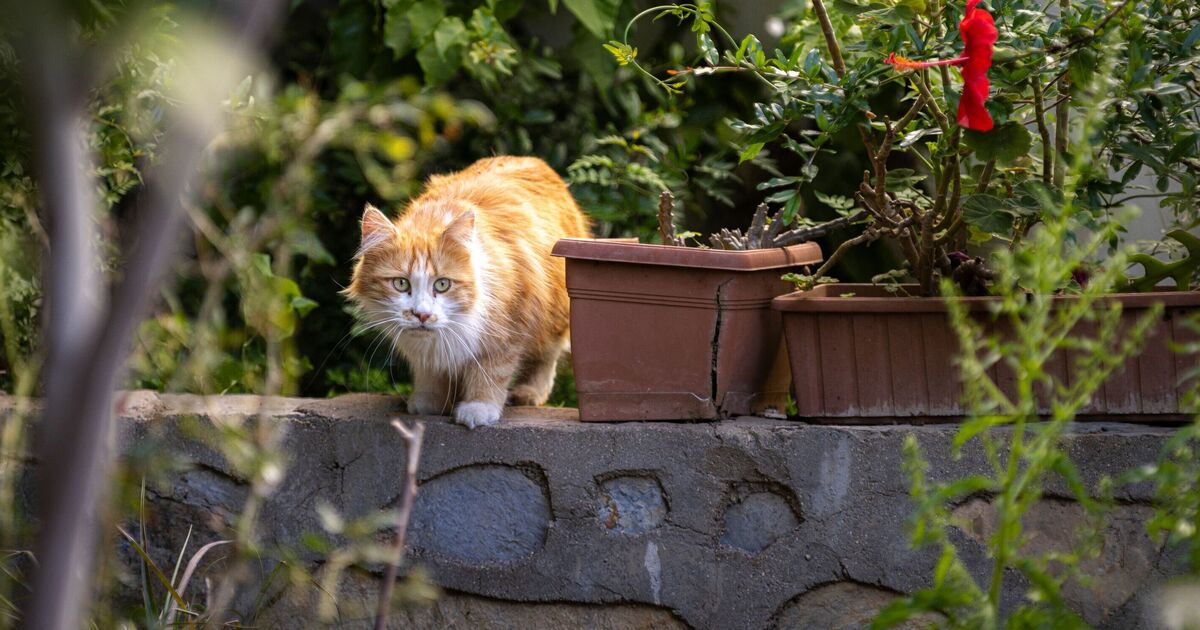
{"x": 412, "y": 438}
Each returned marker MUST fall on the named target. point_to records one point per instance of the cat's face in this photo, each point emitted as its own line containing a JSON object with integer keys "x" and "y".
{"x": 416, "y": 279}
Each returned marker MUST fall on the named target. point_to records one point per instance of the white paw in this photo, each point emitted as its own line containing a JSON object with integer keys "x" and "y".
{"x": 426, "y": 404}
{"x": 477, "y": 414}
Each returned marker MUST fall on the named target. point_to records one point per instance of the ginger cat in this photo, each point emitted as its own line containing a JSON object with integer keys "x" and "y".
{"x": 464, "y": 286}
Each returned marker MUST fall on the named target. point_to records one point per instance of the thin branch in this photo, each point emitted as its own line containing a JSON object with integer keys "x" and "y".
{"x": 808, "y": 233}
{"x": 924, "y": 268}
{"x": 1039, "y": 108}
{"x": 985, "y": 177}
{"x": 835, "y": 50}
{"x": 865, "y": 237}
{"x": 947, "y": 211}
{"x": 879, "y": 159}
{"x": 1062, "y": 112}
{"x": 412, "y": 438}
{"x": 950, "y": 232}
{"x": 871, "y": 234}
{"x": 1123, "y": 200}
{"x": 889, "y": 138}
{"x": 938, "y": 114}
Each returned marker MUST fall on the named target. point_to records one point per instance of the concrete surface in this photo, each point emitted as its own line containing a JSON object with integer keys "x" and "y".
{"x": 546, "y": 522}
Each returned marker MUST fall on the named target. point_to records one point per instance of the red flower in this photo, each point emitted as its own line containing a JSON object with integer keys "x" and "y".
{"x": 978, "y": 32}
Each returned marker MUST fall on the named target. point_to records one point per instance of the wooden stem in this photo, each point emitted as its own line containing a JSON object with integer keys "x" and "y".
{"x": 1039, "y": 109}
{"x": 1062, "y": 112}
{"x": 412, "y": 438}
{"x": 835, "y": 50}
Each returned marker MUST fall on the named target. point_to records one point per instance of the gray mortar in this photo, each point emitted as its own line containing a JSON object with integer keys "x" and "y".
{"x": 747, "y": 523}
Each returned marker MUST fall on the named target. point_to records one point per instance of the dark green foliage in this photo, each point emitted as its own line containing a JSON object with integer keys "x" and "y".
{"x": 970, "y": 187}
{"x": 474, "y": 79}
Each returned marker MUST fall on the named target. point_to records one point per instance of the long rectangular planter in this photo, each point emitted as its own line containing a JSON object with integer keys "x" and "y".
{"x": 878, "y": 356}
{"x": 676, "y": 333}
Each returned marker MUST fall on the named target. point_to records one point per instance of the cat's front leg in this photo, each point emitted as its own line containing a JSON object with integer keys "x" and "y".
{"x": 485, "y": 388}
{"x": 536, "y": 381}
{"x": 431, "y": 393}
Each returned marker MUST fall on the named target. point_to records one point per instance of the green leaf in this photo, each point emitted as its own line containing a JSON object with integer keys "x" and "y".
{"x": 1004, "y": 143}
{"x": 597, "y": 16}
{"x": 783, "y": 195}
{"x": 749, "y": 152}
{"x": 1032, "y": 197}
{"x": 1193, "y": 36}
{"x": 971, "y": 428}
{"x": 262, "y": 264}
{"x": 776, "y": 182}
{"x": 901, "y": 178}
{"x": 1082, "y": 65}
{"x": 851, "y": 8}
{"x": 812, "y": 62}
{"x": 987, "y": 213}
{"x": 965, "y": 487}
{"x": 450, "y": 33}
{"x": 749, "y": 45}
{"x": 397, "y": 30}
{"x": 588, "y": 53}
{"x": 303, "y": 305}
{"x": 505, "y": 10}
{"x": 442, "y": 55}
{"x": 623, "y": 53}
{"x": 837, "y": 202}
{"x": 437, "y": 70}
{"x": 791, "y": 209}
{"x": 707, "y": 48}
{"x": 911, "y": 137}
{"x": 425, "y": 16}
{"x": 397, "y": 36}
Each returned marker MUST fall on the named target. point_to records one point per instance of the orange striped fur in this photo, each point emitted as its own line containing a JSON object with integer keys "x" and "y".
{"x": 464, "y": 287}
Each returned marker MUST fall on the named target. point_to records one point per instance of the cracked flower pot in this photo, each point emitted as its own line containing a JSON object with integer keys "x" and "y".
{"x": 874, "y": 356}
{"x": 676, "y": 333}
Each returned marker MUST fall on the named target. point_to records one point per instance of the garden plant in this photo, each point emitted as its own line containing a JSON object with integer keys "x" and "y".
{"x": 973, "y": 156}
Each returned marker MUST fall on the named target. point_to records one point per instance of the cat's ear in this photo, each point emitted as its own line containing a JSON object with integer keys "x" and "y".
{"x": 461, "y": 228}
{"x": 376, "y": 228}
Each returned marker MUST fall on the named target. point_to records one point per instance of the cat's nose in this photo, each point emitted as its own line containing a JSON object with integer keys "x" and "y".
{"x": 421, "y": 316}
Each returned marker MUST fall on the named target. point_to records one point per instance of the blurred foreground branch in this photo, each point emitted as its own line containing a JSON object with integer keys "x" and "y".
{"x": 87, "y": 337}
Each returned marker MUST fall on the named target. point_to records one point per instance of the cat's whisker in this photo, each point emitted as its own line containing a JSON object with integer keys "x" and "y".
{"x": 482, "y": 372}
{"x": 370, "y": 354}
{"x": 451, "y": 389}
{"x": 388, "y": 319}
{"x": 341, "y": 344}
{"x": 378, "y": 343}
{"x": 496, "y": 324}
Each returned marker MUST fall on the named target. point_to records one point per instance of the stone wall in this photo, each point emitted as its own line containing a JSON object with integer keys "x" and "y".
{"x": 544, "y": 521}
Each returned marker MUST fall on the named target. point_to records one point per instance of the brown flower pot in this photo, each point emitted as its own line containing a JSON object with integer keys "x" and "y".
{"x": 676, "y": 333}
{"x": 876, "y": 356}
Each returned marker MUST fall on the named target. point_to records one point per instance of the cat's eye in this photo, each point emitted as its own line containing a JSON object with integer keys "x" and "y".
{"x": 441, "y": 285}
{"x": 401, "y": 284}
